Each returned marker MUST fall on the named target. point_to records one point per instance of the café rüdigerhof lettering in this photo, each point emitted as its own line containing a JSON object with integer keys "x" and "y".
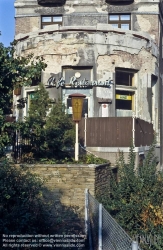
{"x": 75, "y": 83}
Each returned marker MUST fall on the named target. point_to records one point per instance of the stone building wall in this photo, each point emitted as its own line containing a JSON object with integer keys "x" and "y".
{"x": 26, "y": 24}
{"x": 144, "y": 14}
{"x": 104, "y": 49}
{"x": 68, "y": 182}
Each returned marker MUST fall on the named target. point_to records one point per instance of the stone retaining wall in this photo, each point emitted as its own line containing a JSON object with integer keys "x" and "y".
{"x": 68, "y": 182}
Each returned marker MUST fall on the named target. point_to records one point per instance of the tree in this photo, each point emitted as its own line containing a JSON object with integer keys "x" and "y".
{"x": 59, "y": 129}
{"x": 136, "y": 200}
{"x": 48, "y": 127}
{"x": 15, "y": 71}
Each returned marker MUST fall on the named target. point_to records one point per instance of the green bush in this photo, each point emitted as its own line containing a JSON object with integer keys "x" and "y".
{"x": 136, "y": 200}
{"x": 23, "y": 208}
{"x": 27, "y": 206}
{"x": 48, "y": 128}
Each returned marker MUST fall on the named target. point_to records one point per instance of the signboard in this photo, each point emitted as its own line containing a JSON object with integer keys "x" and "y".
{"x": 124, "y": 97}
{"x": 76, "y": 83}
{"x": 32, "y": 95}
{"x": 84, "y": 109}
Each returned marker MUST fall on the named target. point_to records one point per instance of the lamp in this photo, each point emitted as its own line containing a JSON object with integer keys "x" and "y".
{"x": 77, "y": 106}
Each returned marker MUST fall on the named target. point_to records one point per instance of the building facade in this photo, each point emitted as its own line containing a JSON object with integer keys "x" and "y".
{"x": 107, "y": 50}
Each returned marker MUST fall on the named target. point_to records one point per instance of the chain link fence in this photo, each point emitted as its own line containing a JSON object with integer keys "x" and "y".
{"x": 103, "y": 231}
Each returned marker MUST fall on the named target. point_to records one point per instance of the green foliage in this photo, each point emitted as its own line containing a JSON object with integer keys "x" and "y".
{"x": 91, "y": 159}
{"x": 28, "y": 207}
{"x": 22, "y": 206}
{"x": 84, "y": 159}
{"x": 15, "y": 71}
{"x": 49, "y": 129}
{"x": 59, "y": 129}
{"x": 136, "y": 199}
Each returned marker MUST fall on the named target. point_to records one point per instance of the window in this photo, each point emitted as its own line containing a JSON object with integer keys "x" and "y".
{"x": 124, "y": 100}
{"x": 30, "y": 97}
{"x": 36, "y": 81}
{"x": 50, "y": 20}
{"x": 125, "y": 92}
{"x": 120, "y": 21}
{"x": 124, "y": 78}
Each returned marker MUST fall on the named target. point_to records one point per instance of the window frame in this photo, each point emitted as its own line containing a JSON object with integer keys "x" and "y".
{"x": 122, "y": 89}
{"x": 119, "y": 21}
{"x": 50, "y": 22}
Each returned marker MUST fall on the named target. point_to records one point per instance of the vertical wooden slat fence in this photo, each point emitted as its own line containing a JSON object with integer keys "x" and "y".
{"x": 144, "y": 133}
{"x": 115, "y": 132}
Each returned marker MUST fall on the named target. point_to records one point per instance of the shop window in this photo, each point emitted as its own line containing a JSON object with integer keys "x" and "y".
{"x": 50, "y": 20}
{"x": 122, "y": 21}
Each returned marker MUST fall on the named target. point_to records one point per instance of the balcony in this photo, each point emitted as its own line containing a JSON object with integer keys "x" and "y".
{"x": 51, "y": 2}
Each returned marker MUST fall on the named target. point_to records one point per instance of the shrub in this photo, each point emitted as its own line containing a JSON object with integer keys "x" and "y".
{"x": 136, "y": 199}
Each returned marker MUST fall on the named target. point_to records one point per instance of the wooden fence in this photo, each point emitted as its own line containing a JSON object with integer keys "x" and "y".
{"x": 115, "y": 132}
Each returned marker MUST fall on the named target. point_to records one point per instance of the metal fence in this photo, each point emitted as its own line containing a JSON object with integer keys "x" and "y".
{"x": 103, "y": 231}
{"x": 20, "y": 146}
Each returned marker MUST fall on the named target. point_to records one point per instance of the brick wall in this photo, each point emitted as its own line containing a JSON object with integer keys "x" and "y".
{"x": 26, "y": 24}
{"x": 68, "y": 182}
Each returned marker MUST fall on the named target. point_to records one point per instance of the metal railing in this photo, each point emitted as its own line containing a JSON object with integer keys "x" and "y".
{"x": 103, "y": 231}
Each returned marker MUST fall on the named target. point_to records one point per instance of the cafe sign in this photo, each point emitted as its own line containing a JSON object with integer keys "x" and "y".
{"x": 76, "y": 83}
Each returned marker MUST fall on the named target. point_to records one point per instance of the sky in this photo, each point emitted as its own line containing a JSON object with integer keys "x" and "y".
{"x": 7, "y": 21}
